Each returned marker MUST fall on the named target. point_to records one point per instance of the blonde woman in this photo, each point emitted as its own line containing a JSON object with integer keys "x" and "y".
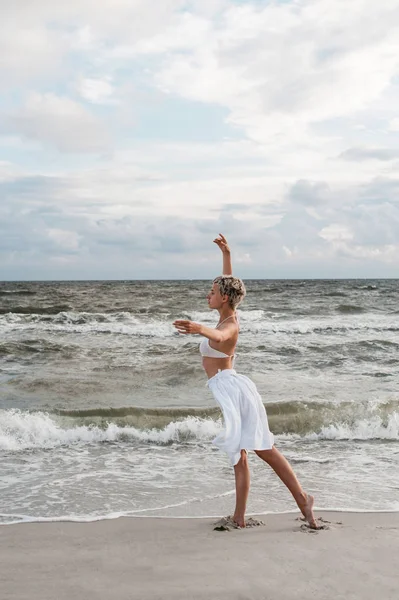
{"x": 245, "y": 421}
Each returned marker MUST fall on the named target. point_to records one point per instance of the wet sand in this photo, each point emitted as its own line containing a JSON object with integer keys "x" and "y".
{"x": 355, "y": 557}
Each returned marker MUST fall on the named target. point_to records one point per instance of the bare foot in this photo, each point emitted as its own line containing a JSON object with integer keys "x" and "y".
{"x": 307, "y": 512}
{"x": 239, "y": 520}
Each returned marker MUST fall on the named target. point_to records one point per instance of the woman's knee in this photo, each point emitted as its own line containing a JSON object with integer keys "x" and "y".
{"x": 243, "y": 462}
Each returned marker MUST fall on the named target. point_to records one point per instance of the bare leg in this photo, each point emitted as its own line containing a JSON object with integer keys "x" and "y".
{"x": 283, "y": 469}
{"x": 241, "y": 472}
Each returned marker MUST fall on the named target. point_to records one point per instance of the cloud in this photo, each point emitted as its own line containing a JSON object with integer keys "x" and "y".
{"x": 394, "y": 125}
{"x": 278, "y": 71}
{"x": 27, "y": 52}
{"x": 380, "y": 190}
{"x": 170, "y": 125}
{"x": 67, "y": 240}
{"x": 357, "y": 154}
{"x": 336, "y": 232}
{"x": 58, "y": 121}
{"x": 47, "y": 221}
{"x": 309, "y": 193}
{"x": 97, "y": 91}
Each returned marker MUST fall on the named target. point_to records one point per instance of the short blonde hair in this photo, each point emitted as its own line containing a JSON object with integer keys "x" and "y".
{"x": 232, "y": 287}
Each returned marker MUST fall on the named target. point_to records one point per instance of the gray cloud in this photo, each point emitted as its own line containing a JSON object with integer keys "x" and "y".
{"x": 45, "y": 234}
{"x": 46, "y": 238}
{"x": 309, "y": 193}
{"x": 380, "y": 191}
{"x": 26, "y": 187}
{"x": 376, "y": 226}
{"x": 358, "y": 154}
{"x": 57, "y": 121}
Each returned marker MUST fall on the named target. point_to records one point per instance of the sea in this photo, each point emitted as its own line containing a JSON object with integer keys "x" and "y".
{"x": 104, "y": 408}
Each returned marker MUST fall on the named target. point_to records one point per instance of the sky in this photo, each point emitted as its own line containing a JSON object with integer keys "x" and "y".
{"x": 133, "y": 132}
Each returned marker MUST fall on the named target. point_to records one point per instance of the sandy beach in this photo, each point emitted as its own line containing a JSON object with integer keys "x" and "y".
{"x": 149, "y": 558}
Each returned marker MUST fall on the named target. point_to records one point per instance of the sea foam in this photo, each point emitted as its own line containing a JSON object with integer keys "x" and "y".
{"x": 23, "y": 430}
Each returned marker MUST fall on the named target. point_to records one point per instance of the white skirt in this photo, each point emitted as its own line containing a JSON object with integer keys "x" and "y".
{"x": 245, "y": 420}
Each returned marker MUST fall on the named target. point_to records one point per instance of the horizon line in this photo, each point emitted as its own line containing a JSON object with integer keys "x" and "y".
{"x": 201, "y": 279}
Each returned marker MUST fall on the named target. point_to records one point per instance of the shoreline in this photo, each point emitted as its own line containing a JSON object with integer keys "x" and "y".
{"x": 179, "y": 558}
{"x": 260, "y": 515}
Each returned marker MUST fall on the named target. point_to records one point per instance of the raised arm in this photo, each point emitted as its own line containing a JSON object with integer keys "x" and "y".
{"x": 223, "y": 245}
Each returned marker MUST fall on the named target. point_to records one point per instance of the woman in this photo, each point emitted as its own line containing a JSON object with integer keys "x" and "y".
{"x": 245, "y": 419}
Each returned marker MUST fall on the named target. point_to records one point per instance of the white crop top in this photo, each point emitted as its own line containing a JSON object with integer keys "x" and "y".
{"x": 206, "y": 350}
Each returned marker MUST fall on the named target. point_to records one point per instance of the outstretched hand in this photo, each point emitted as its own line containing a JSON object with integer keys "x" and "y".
{"x": 222, "y": 243}
{"x": 187, "y": 327}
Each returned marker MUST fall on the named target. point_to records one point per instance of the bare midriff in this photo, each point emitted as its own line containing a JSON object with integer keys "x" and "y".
{"x": 214, "y": 365}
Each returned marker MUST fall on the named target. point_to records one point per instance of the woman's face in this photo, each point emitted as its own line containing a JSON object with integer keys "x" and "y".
{"x": 215, "y": 299}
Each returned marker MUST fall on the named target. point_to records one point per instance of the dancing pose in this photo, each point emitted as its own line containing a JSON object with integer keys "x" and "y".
{"x": 245, "y": 421}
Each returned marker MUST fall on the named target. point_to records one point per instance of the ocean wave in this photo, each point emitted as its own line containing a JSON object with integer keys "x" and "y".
{"x": 329, "y": 326}
{"x": 20, "y": 430}
{"x": 23, "y": 430}
{"x": 38, "y": 346}
{"x": 123, "y": 323}
{"x": 377, "y": 343}
{"x": 35, "y": 310}
{"x": 68, "y": 317}
{"x": 349, "y": 309}
{"x": 336, "y": 294}
{"x": 152, "y": 417}
{"x": 284, "y": 417}
{"x": 83, "y": 322}
{"x": 254, "y": 321}
{"x": 245, "y": 316}
{"x": 17, "y": 293}
{"x": 267, "y": 290}
{"x": 375, "y": 428}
